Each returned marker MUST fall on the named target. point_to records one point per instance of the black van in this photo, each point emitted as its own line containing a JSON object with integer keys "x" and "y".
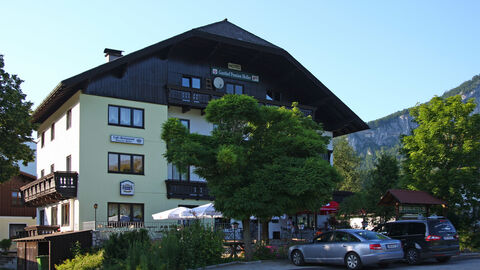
{"x": 424, "y": 238}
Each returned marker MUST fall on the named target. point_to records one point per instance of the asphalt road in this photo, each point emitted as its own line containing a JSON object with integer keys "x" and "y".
{"x": 456, "y": 263}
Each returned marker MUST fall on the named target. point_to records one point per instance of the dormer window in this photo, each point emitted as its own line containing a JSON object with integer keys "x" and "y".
{"x": 191, "y": 82}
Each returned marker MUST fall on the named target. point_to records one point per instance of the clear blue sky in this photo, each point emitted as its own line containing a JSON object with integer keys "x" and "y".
{"x": 377, "y": 56}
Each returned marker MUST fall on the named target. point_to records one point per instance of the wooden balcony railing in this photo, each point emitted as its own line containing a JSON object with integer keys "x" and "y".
{"x": 199, "y": 98}
{"x": 51, "y": 188}
{"x": 187, "y": 190}
{"x": 40, "y": 230}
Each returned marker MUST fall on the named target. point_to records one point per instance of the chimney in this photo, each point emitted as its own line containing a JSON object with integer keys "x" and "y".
{"x": 111, "y": 54}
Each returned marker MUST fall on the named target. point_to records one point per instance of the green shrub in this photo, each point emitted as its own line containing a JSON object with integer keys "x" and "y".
{"x": 469, "y": 241}
{"x": 5, "y": 244}
{"x": 83, "y": 262}
{"x": 170, "y": 250}
{"x": 191, "y": 247}
{"x": 263, "y": 252}
{"x": 118, "y": 246}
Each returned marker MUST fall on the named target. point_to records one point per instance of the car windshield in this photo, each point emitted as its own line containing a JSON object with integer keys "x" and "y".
{"x": 440, "y": 226}
{"x": 368, "y": 235}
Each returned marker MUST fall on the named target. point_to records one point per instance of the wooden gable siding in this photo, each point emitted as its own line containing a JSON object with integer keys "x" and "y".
{"x": 6, "y": 207}
{"x": 141, "y": 81}
{"x": 146, "y": 80}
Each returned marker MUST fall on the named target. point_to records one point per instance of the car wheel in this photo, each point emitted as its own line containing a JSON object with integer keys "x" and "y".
{"x": 297, "y": 258}
{"x": 443, "y": 259}
{"x": 412, "y": 256}
{"x": 352, "y": 261}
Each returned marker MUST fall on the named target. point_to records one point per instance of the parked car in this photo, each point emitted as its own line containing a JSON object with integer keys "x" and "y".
{"x": 433, "y": 237}
{"x": 350, "y": 247}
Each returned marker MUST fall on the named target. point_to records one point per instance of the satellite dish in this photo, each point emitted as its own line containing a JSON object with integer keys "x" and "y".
{"x": 218, "y": 83}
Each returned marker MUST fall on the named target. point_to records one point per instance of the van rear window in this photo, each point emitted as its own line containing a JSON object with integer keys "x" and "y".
{"x": 440, "y": 226}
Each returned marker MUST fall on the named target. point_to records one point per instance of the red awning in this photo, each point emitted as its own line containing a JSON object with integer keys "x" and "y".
{"x": 330, "y": 207}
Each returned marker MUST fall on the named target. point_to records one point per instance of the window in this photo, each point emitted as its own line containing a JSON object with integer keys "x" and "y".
{"x": 191, "y": 82}
{"x": 236, "y": 89}
{"x": 68, "y": 162}
{"x": 398, "y": 229}
{"x": 176, "y": 175}
{"x": 14, "y": 229}
{"x": 17, "y": 198}
{"x": 185, "y": 122}
{"x": 342, "y": 237}
{"x": 52, "y": 132}
{"x": 416, "y": 228}
{"x": 125, "y": 212}
{"x": 41, "y": 217}
{"x": 369, "y": 235}
{"x": 125, "y": 163}
{"x": 42, "y": 173}
{"x": 52, "y": 168}
{"x": 42, "y": 139}
{"x": 273, "y": 95}
{"x": 325, "y": 237}
{"x": 125, "y": 116}
{"x": 54, "y": 215}
{"x": 69, "y": 118}
{"x": 66, "y": 214}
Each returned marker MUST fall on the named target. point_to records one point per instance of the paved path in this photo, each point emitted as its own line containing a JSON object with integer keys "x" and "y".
{"x": 469, "y": 262}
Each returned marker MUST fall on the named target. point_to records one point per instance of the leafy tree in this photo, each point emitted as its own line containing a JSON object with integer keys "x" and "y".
{"x": 15, "y": 125}
{"x": 347, "y": 163}
{"x": 259, "y": 160}
{"x": 442, "y": 154}
{"x": 384, "y": 176}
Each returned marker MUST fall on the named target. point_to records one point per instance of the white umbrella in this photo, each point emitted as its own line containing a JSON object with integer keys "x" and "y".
{"x": 175, "y": 213}
{"x": 204, "y": 211}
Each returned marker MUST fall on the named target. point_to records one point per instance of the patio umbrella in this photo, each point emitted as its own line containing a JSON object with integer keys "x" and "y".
{"x": 175, "y": 213}
{"x": 204, "y": 211}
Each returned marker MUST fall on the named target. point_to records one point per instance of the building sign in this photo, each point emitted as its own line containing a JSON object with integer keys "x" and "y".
{"x": 412, "y": 209}
{"x": 127, "y": 188}
{"x": 235, "y": 74}
{"x": 126, "y": 139}
{"x": 233, "y": 66}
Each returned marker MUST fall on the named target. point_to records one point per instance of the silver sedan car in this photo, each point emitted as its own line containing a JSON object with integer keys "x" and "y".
{"x": 350, "y": 247}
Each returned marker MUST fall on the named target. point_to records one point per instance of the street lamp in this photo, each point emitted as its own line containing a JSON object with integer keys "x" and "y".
{"x": 95, "y": 206}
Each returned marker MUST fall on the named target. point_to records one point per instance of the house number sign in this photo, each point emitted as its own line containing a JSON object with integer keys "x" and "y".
{"x": 126, "y": 139}
{"x": 127, "y": 188}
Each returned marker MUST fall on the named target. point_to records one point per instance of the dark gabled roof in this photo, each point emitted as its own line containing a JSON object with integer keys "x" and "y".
{"x": 230, "y": 30}
{"x": 222, "y": 31}
{"x": 404, "y": 196}
{"x": 28, "y": 176}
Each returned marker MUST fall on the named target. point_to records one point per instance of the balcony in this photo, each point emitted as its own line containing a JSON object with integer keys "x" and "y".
{"x": 51, "y": 188}
{"x": 177, "y": 189}
{"x": 198, "y": 98}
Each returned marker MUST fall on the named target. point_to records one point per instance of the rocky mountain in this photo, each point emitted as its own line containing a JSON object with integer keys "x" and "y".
{"x": 384, "y": 133}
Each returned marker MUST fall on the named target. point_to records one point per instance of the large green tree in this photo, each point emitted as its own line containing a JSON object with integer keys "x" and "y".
{"x": 347, "y": 163}
{"x": 384, "y": 176}
{"x": 15, "y": 125}
{"x": 259, "y": 160}
{"x": 442, "y": 155}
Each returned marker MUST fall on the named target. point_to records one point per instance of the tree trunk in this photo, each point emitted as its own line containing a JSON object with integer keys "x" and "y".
{"x": 247, "y": 239}
{"x": 265, "y": 231}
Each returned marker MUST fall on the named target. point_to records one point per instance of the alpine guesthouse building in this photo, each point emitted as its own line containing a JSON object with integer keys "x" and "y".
{"x": 99, "y": 151}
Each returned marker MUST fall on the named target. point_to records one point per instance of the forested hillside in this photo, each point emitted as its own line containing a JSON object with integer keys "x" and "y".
{"x": 384, "y": 133}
